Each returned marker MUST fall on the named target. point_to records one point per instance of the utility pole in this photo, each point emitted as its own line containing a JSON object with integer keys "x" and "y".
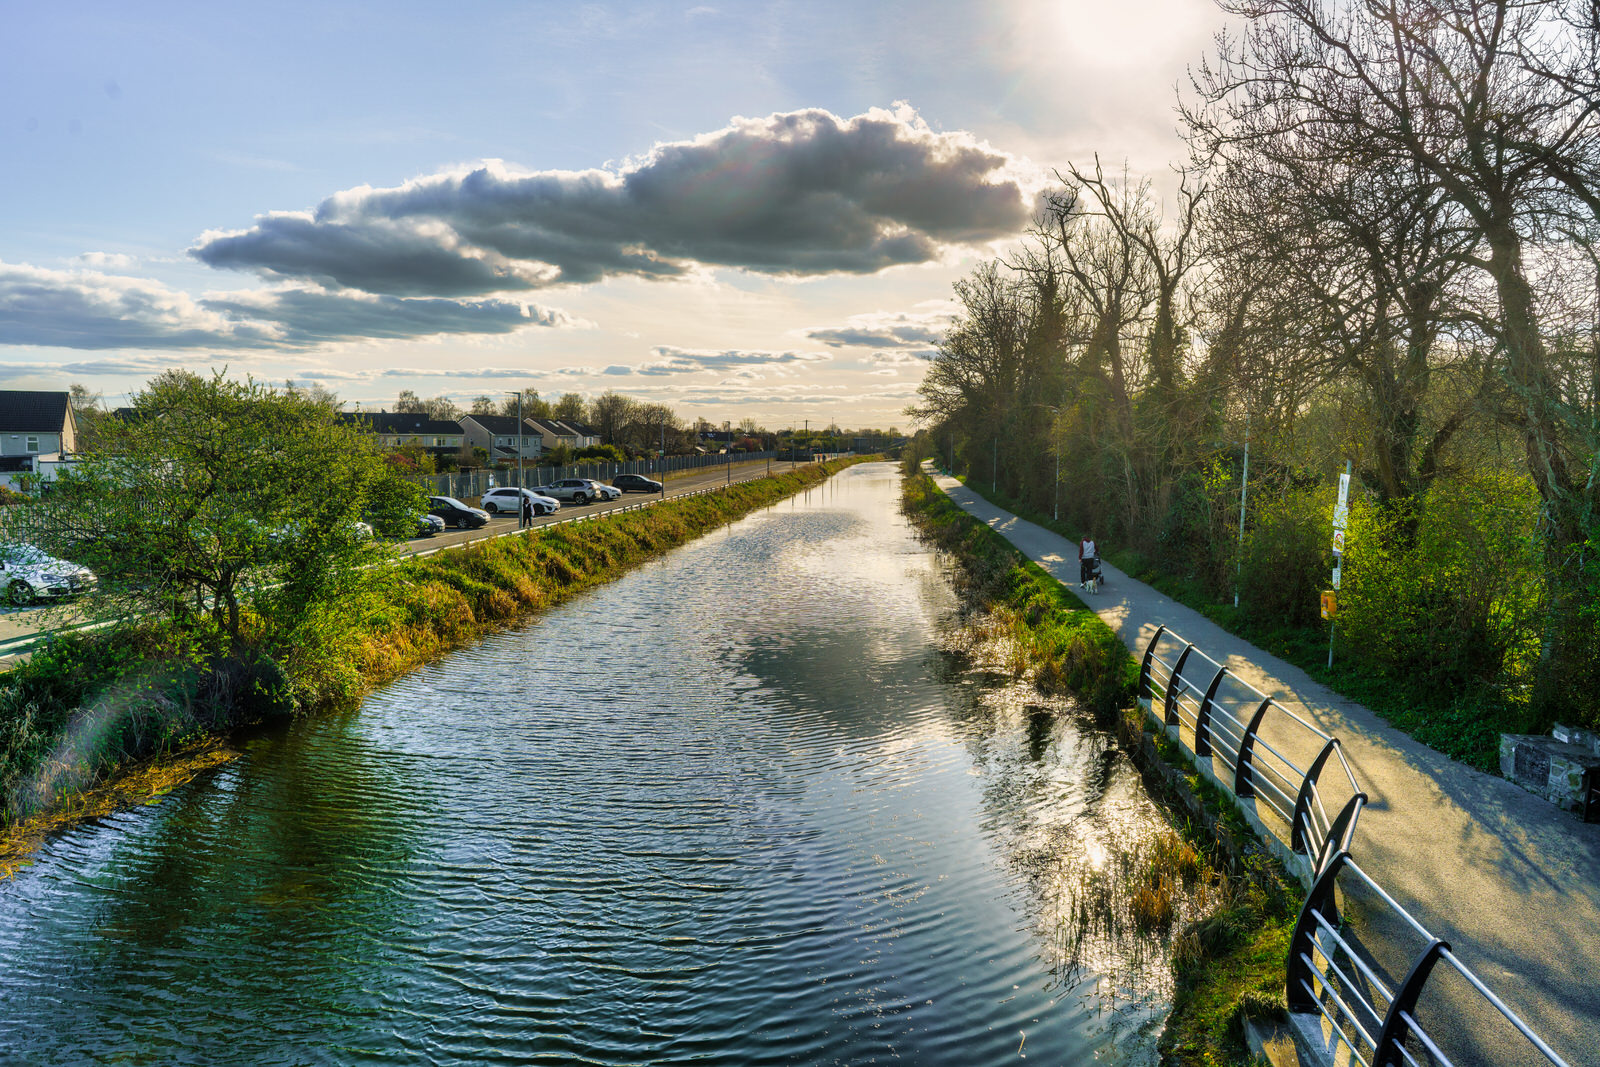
{"x": 663, "y": 454}
{"x": 994, "y": 475}
{"x": 1244, "y": 488}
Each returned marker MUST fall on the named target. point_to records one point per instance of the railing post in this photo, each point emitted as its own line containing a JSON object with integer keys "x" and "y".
{"x": 1202, "y": 719}
{"x": 1302, "y": 943}
{"x": 1395, "y": 1027}
{"x": 1243, "y": 776}
{"x": 1144, "y": 667}
{"x": 1302, "y": 804}
{"x": 1342, "y": 824}
{"x": 1169, "y": 713}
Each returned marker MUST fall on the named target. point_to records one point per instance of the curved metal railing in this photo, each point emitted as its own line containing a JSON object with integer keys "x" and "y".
{"x": 1253, "y": 746}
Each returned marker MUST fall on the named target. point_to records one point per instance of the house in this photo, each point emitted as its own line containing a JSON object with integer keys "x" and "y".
{"x": 557, "y": 432}
{"x": 34, "y": 424}
{"x": 398, "y": 429}
{"x": 500, "y": 436}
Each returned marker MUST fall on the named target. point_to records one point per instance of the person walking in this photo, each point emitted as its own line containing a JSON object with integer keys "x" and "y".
{"x": 527, "y": 511}
{"x": 1087, "y": 554}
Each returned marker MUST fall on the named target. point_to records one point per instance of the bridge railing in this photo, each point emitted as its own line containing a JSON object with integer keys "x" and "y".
{"x": 1387, "y": 1007}
{"x": 1279, "y": 767}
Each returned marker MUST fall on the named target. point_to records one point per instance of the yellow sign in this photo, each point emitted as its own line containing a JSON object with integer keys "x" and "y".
{"x": 1330, "y": 603}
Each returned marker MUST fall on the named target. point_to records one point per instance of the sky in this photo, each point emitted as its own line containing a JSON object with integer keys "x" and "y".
{"x": 741, "y": 209}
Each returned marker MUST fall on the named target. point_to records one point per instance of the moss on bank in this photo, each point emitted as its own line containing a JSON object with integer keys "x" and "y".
{"x": 1231, "y": 963}
{"x": 88, "y": 708}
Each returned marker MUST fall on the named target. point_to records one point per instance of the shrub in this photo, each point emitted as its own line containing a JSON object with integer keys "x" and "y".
{"x": 1286, "y": 559}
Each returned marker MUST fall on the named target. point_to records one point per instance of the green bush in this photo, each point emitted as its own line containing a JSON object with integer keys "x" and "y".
{"x": 1286, "y": 559}
{"x": 1443, "y": 594}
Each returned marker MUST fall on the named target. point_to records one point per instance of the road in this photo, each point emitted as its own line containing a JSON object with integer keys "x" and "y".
{"x": 17, "y": 623}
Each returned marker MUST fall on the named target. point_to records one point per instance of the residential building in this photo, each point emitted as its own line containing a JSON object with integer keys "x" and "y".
{"x": 398, "y": 429}
{"x": 557, "y": 432}
{"x": 499, "y": 435}
{"x": 34, "y": 424}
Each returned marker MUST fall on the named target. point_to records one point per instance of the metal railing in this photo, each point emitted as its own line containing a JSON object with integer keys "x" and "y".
{"x": 1362, "y": 992}
{"x": 1370, "y": 1005}
{"x": 1253, "y": 747}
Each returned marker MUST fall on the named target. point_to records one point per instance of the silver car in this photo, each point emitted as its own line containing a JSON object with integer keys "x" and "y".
{"x": 28, "y": 575}
{"x": 507, "y": 500}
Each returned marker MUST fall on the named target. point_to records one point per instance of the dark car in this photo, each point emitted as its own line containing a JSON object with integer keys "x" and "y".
{"x": 636, "y": 483}
{"x": 455, "y": 513}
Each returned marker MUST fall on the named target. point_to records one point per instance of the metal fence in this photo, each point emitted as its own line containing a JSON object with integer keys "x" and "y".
{"x": 462, "y": 484}
{"x": 1375, "y": 999}
{"x": 1273, "y": 762}
{"x": 1356, "y": 974}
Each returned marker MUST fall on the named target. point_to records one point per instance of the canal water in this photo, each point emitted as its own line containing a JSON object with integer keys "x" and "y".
{"x": 746, "y": 805}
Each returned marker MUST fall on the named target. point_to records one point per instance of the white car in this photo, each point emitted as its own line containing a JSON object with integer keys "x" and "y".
{"x": 508, "y": 500}
{"x": 28, "y": 574}
{"x": 602, "y": 491}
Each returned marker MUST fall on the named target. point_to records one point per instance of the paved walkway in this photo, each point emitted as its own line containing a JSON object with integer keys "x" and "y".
{"x": 1509, "y": 880}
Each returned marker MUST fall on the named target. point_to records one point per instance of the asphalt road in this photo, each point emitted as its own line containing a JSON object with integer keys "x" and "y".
{"x": 1510, "y": 881}
{"x": 16, "y": 622}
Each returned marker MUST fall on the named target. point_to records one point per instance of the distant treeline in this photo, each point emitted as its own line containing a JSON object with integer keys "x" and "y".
{"x": 1384, "y": 251}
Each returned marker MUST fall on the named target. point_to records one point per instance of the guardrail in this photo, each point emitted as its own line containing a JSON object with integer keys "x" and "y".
{"x": 1357, "y": 997}
{"x": 1339, "y": 981}
{"x": 1253, "y": 747}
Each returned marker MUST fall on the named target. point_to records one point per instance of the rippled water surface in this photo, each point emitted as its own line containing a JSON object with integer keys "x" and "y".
{"x": 738, "y": 807}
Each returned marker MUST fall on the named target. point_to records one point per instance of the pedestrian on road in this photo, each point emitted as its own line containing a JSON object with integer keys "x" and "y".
{"x": 1087, "y": 554}
{"x": 527, "y": 512}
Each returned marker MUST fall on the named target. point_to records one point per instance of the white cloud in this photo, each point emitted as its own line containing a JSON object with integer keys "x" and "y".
{"x": 793, "y": 194}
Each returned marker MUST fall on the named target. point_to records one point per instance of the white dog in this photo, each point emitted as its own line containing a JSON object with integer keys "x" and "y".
{"x": 1093, "y": 584}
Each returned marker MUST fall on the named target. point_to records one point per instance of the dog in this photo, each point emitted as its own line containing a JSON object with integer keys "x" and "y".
{"x": 1093, "y": 584}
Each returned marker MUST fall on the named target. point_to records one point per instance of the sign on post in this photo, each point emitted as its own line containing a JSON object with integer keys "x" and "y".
{"x": 1341, "y": 522}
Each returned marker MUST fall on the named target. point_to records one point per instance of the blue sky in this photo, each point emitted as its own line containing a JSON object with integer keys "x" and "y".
{"x": 473, "y": 198}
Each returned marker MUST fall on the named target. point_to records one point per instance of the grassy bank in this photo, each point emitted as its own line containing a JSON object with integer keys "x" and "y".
{"x": 88, "y": 709}
{"x": 1231, "y": 962}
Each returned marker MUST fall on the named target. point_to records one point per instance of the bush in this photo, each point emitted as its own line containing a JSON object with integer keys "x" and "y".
{"x": 1286, "y": 559}
{"x": 1443, "y": 594}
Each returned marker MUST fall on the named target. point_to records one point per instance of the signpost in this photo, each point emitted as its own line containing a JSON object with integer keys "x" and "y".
{"x": 1341, "y": 522}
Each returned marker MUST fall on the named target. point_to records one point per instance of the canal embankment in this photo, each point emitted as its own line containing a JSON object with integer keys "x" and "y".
{"x": 1461, "y": 850}
{"x": 1229, "y": 963}
{"x": 99, "y": 720}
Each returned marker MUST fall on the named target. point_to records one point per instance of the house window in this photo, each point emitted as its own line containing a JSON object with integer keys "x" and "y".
{"x": 33, "y": 442}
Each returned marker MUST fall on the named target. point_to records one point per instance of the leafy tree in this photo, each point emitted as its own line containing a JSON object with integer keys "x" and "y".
{"x": 484, "y": 405}
{"x": 570, "y": 408}
{"x": 220, "y": 498}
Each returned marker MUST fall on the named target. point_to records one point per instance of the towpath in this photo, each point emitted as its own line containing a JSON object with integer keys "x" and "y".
{"x": 1509, "y": 880}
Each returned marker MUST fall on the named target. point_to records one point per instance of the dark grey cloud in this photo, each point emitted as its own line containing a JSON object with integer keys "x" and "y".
{"x": 316, "y": 316}
{"x": 93, "y": 310}
{"x": 799, "y": 193}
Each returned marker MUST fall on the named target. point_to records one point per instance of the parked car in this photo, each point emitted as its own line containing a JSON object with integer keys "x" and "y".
{"x": 602, "y": 491}
{"x": 636, "y": 483}
{"x": 455, "y": 513}
{"x": 575, "y": 490}
{"x": 429, "y": 524}
{"x": 508, "y": 500}
{"x": 28, "y": 575}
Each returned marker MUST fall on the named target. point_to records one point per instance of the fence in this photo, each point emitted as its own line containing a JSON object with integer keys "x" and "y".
{"x": 1355, "y": 979}
{"x": 462, "y": 484}
{"x": 1254, "y": 748}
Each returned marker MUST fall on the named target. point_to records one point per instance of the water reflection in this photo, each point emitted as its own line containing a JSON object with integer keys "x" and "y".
{"x": 742, "y": 806}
